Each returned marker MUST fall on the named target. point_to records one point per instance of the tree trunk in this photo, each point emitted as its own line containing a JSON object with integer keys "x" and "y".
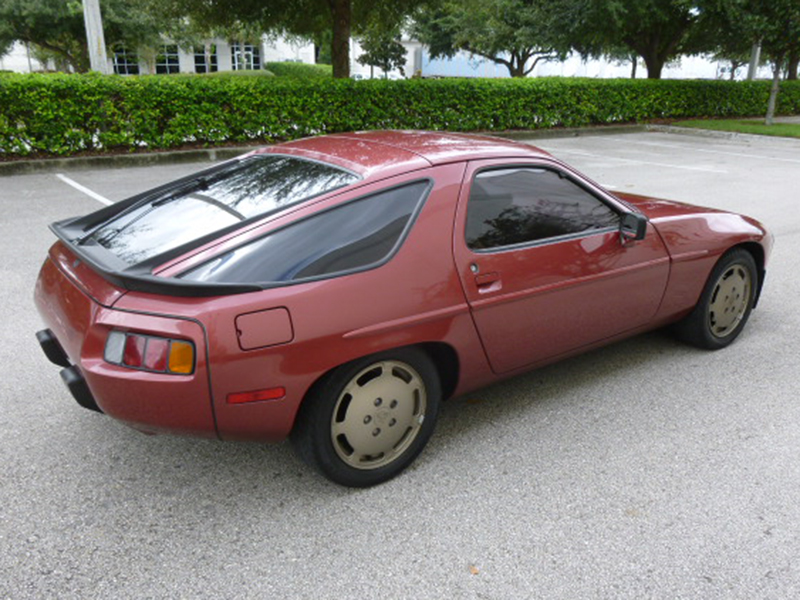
{"x": 634, "y": 64}
{"x": 654, "y": 65}
{"x": 773, "y": 92}
{"x": 794, "y": 62}
{"x": 341, "y": 11}
{"x": 516, "y": 70}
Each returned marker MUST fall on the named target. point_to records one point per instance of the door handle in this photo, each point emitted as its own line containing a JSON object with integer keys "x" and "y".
{"x": 488, "y": 282}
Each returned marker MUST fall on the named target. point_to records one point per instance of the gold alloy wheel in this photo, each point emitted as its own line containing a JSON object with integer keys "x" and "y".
{"x": 730, "y": 300}
{"x": 378, "y": 414}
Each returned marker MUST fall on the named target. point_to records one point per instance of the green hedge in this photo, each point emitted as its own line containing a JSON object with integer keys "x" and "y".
{"x": 300, "y": 70}
{"x": 68, "y": 114}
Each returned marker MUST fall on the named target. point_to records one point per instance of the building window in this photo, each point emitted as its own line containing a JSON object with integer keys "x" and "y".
{"x": 205, "y": 59}
{"x": 167, "y": 62}
{"x": 246, "y": 57}
{"x": 126, "y": 62}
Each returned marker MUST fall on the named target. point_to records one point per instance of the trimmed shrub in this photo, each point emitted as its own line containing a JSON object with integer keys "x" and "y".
{"x": 66, "y": 114}
{"x": 300, "y": 70}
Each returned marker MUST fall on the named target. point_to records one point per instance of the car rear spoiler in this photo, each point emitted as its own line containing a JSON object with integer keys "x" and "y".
{"x": 139, "y": 277}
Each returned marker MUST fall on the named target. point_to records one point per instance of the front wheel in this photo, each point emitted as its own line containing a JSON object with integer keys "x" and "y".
{"x": 366, "y": 421}
{"x": 725, "y": 304}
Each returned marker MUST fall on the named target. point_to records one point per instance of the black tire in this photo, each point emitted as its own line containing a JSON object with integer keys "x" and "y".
{"x": 725, "y": 304}
{"x": 354, "y": 436}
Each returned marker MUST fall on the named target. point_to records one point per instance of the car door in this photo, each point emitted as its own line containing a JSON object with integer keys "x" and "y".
{"x": 543, "y": 266}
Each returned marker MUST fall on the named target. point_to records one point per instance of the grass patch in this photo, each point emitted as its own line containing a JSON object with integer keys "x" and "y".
{"x": 744, "y": 126}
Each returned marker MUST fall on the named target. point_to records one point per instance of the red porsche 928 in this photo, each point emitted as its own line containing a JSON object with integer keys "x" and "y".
{"x": 336, "y": 289}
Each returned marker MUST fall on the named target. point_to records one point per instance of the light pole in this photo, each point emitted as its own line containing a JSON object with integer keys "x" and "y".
{"x": 94, "y": 36}
{"x": 755, "y": 56}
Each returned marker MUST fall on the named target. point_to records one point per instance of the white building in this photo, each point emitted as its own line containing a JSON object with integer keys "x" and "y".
{"x": 20, "y": 60}
{"x": 214, "y": 55}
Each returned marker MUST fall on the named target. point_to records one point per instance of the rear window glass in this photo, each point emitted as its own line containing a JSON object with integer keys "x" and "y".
{"x": 259, "y": 186}
{"x": 354, "y": 236}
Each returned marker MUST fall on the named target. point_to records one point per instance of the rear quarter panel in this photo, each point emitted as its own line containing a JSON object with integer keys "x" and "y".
{"x": 414, "y": 298}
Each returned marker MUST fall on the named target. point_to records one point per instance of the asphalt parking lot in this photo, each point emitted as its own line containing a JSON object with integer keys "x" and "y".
{"x": 647, "y": 469}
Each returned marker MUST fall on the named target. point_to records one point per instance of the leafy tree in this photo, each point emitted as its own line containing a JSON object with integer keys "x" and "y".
{"x": 382, "y": 49}
{"x": 656, "y": 30}
{"x": 775, "y": 24}
{"x": 307, "y": 18}
{"x": 727, "y": 43}
{"x": 517, "y": 34}
{"x": 56, "y": 27}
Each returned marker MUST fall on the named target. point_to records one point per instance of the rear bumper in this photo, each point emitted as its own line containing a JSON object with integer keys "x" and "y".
{"x": 77, "y": 329}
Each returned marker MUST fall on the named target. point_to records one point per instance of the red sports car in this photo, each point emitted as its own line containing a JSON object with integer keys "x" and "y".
{"x": 336, "y": 289}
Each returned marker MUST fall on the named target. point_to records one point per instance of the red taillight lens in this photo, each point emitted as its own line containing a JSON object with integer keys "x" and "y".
{"x": 155, "y": 358}
{"x": 134, "y": 351}
{"x": 150, "y": 353}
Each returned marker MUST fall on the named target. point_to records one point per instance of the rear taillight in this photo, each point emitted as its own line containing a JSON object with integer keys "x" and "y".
{"x": 150, "y": 353}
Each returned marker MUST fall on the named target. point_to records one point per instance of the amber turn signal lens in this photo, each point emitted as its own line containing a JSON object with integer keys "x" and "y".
{"x": 181, "y": 357}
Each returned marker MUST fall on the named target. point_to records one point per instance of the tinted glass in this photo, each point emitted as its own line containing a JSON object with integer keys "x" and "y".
{"x": 519, "y": 205}
{"x": 259, "y": 186}
{"x": 352, "y": 236}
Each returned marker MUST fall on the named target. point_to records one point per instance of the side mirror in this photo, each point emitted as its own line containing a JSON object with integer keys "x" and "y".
{"x": 632, "y": 226}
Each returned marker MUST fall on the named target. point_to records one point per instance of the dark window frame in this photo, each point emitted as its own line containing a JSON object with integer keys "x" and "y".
{"x": 562, "y": 173}
{"x": 167, "y": 61}
{"x": 239, "y": 53}
{"x": 423, "y": 199}
{"x": 206, "y": 62}
{"x": 125, "y": 61}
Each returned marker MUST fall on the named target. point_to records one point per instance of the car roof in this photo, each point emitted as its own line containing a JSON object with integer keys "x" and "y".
{"x": 390, "y": 152}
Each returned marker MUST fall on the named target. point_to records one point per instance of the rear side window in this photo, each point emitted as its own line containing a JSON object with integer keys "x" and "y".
{"x": 258, "y": 186}
{"x": 354, "y": 236}
{"x": 522, "y": 205}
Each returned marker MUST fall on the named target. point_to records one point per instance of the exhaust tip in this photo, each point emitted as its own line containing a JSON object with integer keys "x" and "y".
{"x": 76, "y": 384}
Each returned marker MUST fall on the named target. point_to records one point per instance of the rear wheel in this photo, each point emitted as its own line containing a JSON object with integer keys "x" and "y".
{"x": 368, "y": 420}
{"x": 725, "y": 305}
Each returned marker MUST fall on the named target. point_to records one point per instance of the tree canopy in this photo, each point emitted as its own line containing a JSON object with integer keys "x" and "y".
{"x": 57, "y": 27}
{"x": 308, "y": 18}
{"x": 656, "y": 30}
{"x": 382, "y": 49}
{"x": 774, "y": 24}
{"x": 517, "y": 34}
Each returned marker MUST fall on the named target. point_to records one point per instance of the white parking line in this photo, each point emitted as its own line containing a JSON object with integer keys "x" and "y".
{"x": 85, "y": 190}
{"x": 637, "y": 162}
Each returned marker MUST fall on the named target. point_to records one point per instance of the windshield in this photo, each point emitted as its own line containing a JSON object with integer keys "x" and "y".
{"x": 259, "y": 186}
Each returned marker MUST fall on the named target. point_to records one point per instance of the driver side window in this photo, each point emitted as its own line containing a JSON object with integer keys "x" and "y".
{"x": 520, "y": 205}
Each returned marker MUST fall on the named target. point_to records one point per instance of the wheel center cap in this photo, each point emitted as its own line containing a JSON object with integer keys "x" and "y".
{"x": 382, "y": 416}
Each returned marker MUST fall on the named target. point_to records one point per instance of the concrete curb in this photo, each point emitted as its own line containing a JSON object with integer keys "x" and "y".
{"x": 116, "y": 161}
{"x": 569, "y": 132}
{"x": 724, "y": 135}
